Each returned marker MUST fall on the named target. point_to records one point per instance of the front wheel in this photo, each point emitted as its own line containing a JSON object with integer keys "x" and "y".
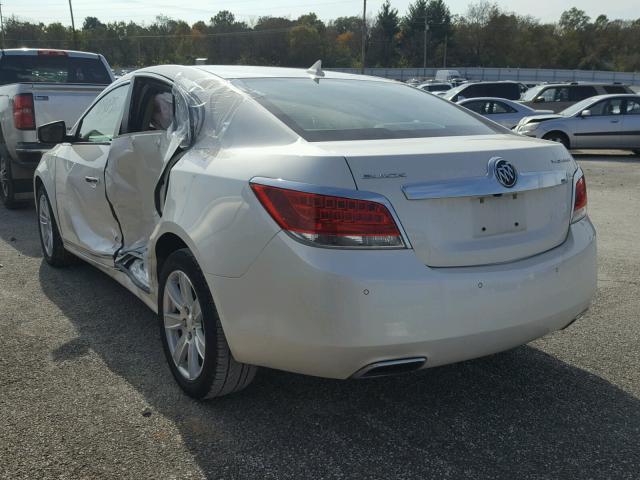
{"x": 558, "y": 137}
{"x": 193, "y": 340}
{"x": 50, "y": 240}
{"x": 7, "y": 186}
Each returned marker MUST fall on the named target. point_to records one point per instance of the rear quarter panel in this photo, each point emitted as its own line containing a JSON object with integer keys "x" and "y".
{"x": 211, "y": 206}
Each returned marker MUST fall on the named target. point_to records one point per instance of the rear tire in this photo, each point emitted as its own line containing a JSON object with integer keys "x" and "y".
{"x": 558, "y": 137}
{"x": 7, "y": 185}
{"x": 192, "y": 337}
{"x": 53, "y": 250}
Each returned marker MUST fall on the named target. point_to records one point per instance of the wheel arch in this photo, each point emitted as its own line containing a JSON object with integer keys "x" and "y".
{"x": 557, "y": 131}
{"x": 43, "y": 178}
{"x": 166, "y": 244}
{"x": 168, "y": 238}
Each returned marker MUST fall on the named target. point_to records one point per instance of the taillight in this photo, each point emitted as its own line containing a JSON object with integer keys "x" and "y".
{"x": 23, "y": 114}
{"x": 52, "y": 53}
{"x": 333, "y": 221}
{"x": 580, "y": 202}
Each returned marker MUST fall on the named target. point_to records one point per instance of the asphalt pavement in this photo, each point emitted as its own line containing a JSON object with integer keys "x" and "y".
{"x": 85, "y": 391}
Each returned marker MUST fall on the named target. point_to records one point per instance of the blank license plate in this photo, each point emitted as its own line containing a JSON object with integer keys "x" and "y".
{"x": 497, "y": 215}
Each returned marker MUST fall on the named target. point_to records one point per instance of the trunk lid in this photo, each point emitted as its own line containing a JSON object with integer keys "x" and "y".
{"x": 453, "y": 209}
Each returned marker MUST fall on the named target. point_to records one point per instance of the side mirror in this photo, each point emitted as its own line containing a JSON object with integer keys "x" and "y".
{"x": 538, "y": 100}
{"x": 54, "y": 132}
{"x": 585, "y": 113}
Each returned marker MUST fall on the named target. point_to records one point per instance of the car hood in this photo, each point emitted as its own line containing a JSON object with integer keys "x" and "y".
{"x": 539, "y": 118}
{"x": 545, "y": 112}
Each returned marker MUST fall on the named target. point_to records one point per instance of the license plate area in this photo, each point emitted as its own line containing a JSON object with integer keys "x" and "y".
{"x": 498, "y": 214}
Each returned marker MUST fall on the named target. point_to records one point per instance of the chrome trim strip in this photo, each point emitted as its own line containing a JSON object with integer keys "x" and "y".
{"x": 483, "y": 186}
{"x": 338, "y": 192}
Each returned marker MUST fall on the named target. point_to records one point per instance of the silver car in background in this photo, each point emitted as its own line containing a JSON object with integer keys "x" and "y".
{"x": 604, "y": 121}
{"x": 505, "y": 112}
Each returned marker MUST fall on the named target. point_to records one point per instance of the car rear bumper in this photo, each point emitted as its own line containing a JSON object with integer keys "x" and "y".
{"x": 330, "y": 313}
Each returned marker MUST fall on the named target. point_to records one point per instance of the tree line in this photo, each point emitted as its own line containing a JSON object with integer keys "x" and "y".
{"x": 485, "y": 35}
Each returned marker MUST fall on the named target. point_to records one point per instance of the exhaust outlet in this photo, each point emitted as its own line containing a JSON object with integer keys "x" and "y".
{"x": 390, "y": 367}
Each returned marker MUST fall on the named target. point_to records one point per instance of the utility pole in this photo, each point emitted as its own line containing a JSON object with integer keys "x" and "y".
{"x": 2, "y": 26}
{"x": 73, "y": 27}
{"x": 364, "y": 35}
{"x": 444, "y": 60}
{"x": 424, "y": 59}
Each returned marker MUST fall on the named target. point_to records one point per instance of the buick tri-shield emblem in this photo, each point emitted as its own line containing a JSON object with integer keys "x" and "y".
{"x": 505, "y": 173}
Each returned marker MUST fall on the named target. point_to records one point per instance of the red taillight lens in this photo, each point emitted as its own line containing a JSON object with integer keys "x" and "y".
{"x": 23, "y": 115}
{"x": 580, "y": 202}
{"x": 330, "y": 221}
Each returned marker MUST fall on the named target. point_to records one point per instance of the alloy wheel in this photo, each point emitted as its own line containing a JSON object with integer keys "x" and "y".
{"x": 46, "y": 229}
{"x": 4, "y": 177}
{"x": 183, "y": 325}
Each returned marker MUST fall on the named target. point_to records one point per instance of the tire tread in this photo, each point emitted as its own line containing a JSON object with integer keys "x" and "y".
{"x": 230, "y": 376}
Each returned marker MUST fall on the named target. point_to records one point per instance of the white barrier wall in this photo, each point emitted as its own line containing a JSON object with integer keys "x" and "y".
{"x": 521, "y": 74}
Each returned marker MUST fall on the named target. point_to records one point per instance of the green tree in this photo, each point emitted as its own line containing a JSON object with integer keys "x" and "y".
{"x": 306, "y": 40}
{"x": 384, "y": 37}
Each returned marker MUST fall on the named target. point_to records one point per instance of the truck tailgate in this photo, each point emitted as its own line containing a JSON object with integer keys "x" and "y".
{"x": 62, "y": 101}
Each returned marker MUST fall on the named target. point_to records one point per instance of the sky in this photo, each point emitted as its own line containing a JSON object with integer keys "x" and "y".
{"x": 140, "y": 11}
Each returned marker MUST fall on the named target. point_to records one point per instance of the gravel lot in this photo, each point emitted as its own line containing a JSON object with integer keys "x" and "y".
{"x": 85, "y": 391}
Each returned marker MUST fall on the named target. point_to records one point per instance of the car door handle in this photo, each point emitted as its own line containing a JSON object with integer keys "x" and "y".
{"x": 615, "y": 121}
{"x": 91, "y": 180}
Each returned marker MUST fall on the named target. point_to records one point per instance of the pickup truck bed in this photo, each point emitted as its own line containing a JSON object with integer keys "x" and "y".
{"x": 26, "y": 105}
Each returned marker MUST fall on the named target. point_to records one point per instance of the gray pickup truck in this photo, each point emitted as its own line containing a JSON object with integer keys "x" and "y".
{"x": 38, "y": 86}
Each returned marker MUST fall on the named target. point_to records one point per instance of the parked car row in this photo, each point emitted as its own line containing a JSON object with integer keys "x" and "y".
{"x": 578, "y": 115}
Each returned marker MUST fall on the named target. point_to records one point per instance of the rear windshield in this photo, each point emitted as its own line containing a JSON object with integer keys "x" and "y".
{"x": 615, "y": 89}
{"x": 336, "y": 109}
{"x": 52, "y": 69}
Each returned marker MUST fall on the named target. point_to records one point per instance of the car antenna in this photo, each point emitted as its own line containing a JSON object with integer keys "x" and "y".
{"x": 315, "y": 71}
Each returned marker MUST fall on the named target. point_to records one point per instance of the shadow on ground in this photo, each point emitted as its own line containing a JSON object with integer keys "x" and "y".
{"x": 520, "y": 414}
{"x": 23, "y": 234}
{"x": 622, "y": 156}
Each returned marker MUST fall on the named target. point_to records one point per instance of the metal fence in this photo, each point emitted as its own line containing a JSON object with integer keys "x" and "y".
{"x": 518, "y": 74}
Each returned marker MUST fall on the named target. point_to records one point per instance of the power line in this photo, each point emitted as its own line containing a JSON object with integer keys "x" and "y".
{"x": 364, "y": 35}
{"x": 169, "y": 36}
{"x": 2, "y": 25}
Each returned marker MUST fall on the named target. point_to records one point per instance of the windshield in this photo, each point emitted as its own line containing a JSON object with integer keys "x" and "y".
{"x": 336, "y": 109}
{"x": 576, "y": 107}
{"x": 531, "y": 93}
{"x": 52, "y": 69}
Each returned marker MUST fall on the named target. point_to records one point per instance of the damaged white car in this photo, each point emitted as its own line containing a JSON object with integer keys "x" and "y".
{"x": 321, "y": 223}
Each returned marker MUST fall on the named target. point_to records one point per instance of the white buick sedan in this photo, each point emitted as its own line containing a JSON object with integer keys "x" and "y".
{"x": 328, "y": 224}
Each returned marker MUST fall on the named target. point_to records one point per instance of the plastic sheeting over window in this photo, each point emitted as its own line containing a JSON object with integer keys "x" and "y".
{"x": 209, "y": 115}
